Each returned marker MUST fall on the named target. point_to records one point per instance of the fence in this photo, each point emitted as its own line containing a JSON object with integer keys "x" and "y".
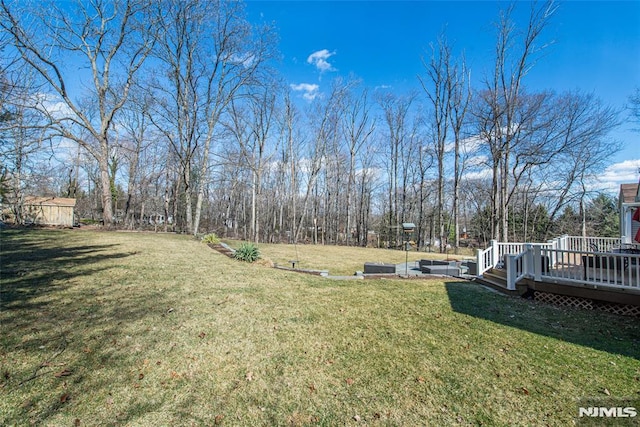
{"x": 597, "y": 261}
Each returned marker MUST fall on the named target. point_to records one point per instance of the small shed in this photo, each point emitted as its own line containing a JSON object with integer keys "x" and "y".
{"x": 630, "y": 213}
{"x": 49, "y": 210}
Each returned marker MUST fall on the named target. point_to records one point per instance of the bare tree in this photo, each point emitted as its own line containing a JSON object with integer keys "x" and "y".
{"x": 111, "y": 39}
{"x": 323, "y": 120}
{"x": 135, "y": 124}
{"x": 292, "y": 142}
{"x": 422, "y": 184}
{"x": 459, "y": 100}
{"x": 175, "y": 115}
{"x": 23, "y": 137}
{"x": 437, "y": 89}
{"x": 500, "y": 122}
{"x": 240, "y": 56}
{"x": 634, "y": 106}
{"x": 209, "y": 53}
{"x": 579, "y": 149}
{"x": 395, "y": 111}
{"x": 358, "y": 127}
{"x": 251, "y": 128}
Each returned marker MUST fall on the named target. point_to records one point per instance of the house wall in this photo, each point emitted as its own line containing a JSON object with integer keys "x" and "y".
{"x": 628, "y": 227}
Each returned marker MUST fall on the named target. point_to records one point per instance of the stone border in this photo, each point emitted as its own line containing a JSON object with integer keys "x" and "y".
{"x": 223, "y": 248}
{"x": 323, "y": 273}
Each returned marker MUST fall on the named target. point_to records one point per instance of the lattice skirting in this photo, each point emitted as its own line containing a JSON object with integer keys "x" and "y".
{"x": 587, "y": 304}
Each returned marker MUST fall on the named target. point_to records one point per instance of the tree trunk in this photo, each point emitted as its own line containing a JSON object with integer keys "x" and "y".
{"x": 495, "y": 219}
{"x": 202, "y": 182}
{"x": 106, "y": 196}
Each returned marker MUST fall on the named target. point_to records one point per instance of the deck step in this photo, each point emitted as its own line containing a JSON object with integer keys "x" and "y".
{"x": 498, "y": 272}
{"x": 489, "y": 281}
{"x": 496, "y": 279}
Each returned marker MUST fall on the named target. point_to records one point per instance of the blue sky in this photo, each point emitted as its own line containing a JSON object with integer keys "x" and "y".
{"x": 595, "y": 48}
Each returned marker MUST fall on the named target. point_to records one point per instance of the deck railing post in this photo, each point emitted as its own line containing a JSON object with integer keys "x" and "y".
{"x": 527, "y": 262}
{"x": 511, "y": 271}
{"x": 553, "y": 245}
{"x": 495, "y": 253}
{"x": 537, "y": 263}
{"x": 564, "y": 242}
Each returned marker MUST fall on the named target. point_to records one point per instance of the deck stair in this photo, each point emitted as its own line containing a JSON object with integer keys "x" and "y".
{"x": 496, "y": 278}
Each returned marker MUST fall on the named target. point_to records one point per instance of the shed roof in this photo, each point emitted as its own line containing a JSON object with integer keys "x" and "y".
{"x": 49, "y": 201}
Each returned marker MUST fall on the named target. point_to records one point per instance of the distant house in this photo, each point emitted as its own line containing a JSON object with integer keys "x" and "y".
{"x": 630, "y": 213}
{"x": 49, "y": 210}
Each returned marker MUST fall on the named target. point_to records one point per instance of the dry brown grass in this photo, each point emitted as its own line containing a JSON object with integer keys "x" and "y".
{"x": 339, "y": 260}
{"x": 147, "y": 329}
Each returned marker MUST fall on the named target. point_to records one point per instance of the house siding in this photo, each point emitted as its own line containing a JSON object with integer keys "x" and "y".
{"x": 629, "y": 201}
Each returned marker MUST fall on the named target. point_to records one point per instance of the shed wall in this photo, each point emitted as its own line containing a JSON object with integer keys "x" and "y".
{"x": 51, "y": 215}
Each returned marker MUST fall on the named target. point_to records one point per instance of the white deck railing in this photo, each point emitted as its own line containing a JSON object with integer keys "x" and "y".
{"x": 487, "y": 258}
{"x": 590, "y": 244}
{"x": 517, "y": 267}
{"x": 618, "y": 270}
{"x": 570, "y": 259}
{"x": 494, "y": 255}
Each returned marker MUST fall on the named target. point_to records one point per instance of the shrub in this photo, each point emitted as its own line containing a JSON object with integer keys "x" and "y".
{"x": 247, "y": 252}
{"x": 211, "y": 238}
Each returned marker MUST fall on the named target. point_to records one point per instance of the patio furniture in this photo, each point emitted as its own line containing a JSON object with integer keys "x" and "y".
{"x": 379, "y": 268}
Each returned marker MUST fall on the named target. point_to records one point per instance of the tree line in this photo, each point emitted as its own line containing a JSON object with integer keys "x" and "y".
{"x": 170, "y": 114}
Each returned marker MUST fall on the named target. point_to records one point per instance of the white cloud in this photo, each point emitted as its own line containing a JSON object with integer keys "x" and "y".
{"x": 319, "y": 59}
{"x": 481, "y": 160}
{"x": 372, "y": 173}
{"x": 53, "y": 105}
{"x": 476, "y": 167}
{"x": 485, "y": 173}
{"x": 468, "y": 145}
{"x": 625, "y": 172}
{"x": 247, "y": 60}
{"x": 472, "y": 144}
{"x": 310, "y": 91}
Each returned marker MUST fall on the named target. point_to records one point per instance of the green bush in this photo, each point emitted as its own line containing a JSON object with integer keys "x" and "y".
{"x": 247, "y": 252}
{"x": 211, "y": 238}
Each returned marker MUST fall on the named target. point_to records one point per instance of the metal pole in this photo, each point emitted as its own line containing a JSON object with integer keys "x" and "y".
{"x": 407, "y": 228}
{"x": 406, "y": 258}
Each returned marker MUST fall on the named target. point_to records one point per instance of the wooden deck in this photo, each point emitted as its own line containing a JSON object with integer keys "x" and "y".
{"x": 575, "y": 271}
{"x": 556, "y": 283}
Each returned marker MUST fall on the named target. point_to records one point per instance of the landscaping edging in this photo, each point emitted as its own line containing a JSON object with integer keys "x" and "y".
{"x": 323, "y": 273}
{"x": 223, "y": 248}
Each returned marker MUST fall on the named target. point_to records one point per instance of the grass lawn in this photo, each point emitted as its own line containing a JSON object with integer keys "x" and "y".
{"x": 341, "y": 260}
{"x": 150, "y": 329}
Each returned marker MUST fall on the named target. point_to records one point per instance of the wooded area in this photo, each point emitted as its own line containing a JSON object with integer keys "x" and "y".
{"x": 170, "y": 115}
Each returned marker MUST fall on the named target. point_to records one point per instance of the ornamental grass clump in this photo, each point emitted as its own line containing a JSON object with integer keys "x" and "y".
{"x": 247, "y": 252}
{"x": 211, "y": 238}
